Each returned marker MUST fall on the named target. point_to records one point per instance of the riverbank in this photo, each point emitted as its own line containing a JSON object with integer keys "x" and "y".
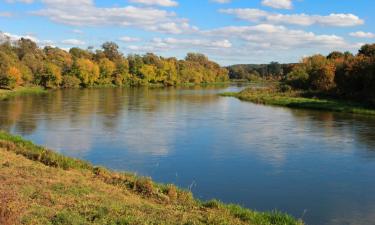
{"x": 6, "y": 94}
{"x": 40, "y": 186}
{"x": 292, "y": 99}
{"x": 21, "y": 91}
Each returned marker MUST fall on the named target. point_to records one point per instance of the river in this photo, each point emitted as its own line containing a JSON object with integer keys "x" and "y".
{"x": 312, "y": 164}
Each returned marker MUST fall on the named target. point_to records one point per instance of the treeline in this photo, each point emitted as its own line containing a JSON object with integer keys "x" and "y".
{"x": 23, "y": 63}
{"x": 273, "y": 70}
{"x": 342, "y": 75}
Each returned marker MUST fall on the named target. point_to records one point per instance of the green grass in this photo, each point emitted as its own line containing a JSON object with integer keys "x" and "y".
{"x": 40, "y": 186}
{"x": 269, "y": 96}
{"x": 6, "y": 94}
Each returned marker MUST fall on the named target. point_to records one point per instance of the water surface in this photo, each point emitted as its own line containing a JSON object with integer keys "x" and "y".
{"x": 311, "y": 164}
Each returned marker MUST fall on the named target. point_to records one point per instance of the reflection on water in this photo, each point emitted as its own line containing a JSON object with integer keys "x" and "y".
{"x": 316, "y": 164}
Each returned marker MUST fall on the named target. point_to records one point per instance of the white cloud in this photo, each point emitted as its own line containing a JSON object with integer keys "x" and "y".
{"x": 257, "y": 15}
{"x": 163, "y": 45}
{"x": 85, "y": 13}
{"x": 278, "y": 4}
{"x": 266, "y": 36}
{"x": 361, "y": 34}
{"x": 165, "y": 3}
{"x": 173, "y": 42}
{"x": 6, "y": 14}
{"x": 14, "y": 37}
{"x": 74, "y": 42}
{"x": 129, "y": 39}
{"x": 21, "y": 1}
{"x": 77, "y": 31}
{"x": 222, "y": 1}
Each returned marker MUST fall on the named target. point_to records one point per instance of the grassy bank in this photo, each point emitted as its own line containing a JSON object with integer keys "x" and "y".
{"x": 270, "y": 96}
{"x": 39, "y": 186}
{"x": 6, "y": 94}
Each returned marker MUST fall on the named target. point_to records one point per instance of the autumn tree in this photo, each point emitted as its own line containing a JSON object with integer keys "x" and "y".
{"x": 87, "y": 71}
{"x": 50, "y": 76}
{"x": 107, "y": 69}
{"x": 11, "y": 78}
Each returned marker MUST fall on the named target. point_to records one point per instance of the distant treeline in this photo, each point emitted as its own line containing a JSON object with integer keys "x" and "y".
{"x": 339, "y": 75}
{"x": 342, "y": 75}
{"x": 23, "y": 63}
{"x": 256, "y": 71}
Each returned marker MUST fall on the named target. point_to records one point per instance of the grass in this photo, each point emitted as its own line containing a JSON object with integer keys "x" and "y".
{"x": 292, "y": 99}
{"x": 40, "y": 186}
{"x": 6, "y": 94}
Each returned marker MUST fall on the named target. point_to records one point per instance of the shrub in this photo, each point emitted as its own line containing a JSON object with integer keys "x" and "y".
{"x": 68, "y": 218}
{"x": 213, "y": 204}
{"x": 298, "y": 78}
{"x": 172, "y": 192}
{"x": 144, "y": 186}
{"x": 70, "y": 82}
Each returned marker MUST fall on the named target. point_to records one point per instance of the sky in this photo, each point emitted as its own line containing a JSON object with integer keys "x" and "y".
{"x": 228, "y": 31}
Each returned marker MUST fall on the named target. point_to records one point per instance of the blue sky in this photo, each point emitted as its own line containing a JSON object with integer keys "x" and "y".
{"x": 228, "y": 31}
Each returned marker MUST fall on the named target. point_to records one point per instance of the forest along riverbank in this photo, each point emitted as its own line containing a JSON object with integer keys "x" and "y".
{"x": 41, "y": 186}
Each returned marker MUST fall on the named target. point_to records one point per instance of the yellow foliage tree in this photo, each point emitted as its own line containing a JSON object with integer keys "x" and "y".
{"x": 11, "y": 79}
{"x": 87, "y": 71}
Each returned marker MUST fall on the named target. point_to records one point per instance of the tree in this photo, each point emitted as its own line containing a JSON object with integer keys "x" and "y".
{"x": 367, "y": 50}
{"x": 356, "y": 79}
{"x": 274, "y": 68}
{"x": 26, "y": 46}
{"x": 59, "y": 57}
{"x": 80, "y": 53}
{"x": 107, "y": 69}
{"x": 149, "y": 73}
{"x": 50, "y": 76}
{"x": 298, "y": 78}
{"x": 121, "y": 75}
{"x": 110, "y": 50}
{"x": 335, "y": 55}
{"x": 322, "y": 78}
{"x": 11, "y": 78}
{"x": 87, "y": 71}
{"x": 321, "y": 72}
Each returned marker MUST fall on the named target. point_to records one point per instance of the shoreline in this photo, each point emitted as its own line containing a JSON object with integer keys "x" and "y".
{"x": 291, "y": 100}
{"x": 57, "y": 186}
{"x": 21, "y": 91}
{"x": 6, "y": 94}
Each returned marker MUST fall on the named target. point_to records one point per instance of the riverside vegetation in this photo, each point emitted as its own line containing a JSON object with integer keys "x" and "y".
{"x": 339, "y": 82}
{"x": 40, "y": 186}
{"x": 23, "y": 63}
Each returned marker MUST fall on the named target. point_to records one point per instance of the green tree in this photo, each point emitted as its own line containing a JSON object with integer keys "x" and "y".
{"x": 367, "y": 50}
{"x": 111, "y": 51}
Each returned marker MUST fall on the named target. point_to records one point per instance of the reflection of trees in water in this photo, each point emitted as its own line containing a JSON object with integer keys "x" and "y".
{"x": 14, "y": 113}
{"x": 359, "y": 127}
{"x": 79, "y": 108}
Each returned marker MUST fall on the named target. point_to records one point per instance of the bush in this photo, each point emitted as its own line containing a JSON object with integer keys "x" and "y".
{"x": 172, "y": 192}
{"x": 144, "y": 186}
{"x": 70, "y": 82}
{"x": 68, "y": 218}
{"x": 298, "y": 78}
